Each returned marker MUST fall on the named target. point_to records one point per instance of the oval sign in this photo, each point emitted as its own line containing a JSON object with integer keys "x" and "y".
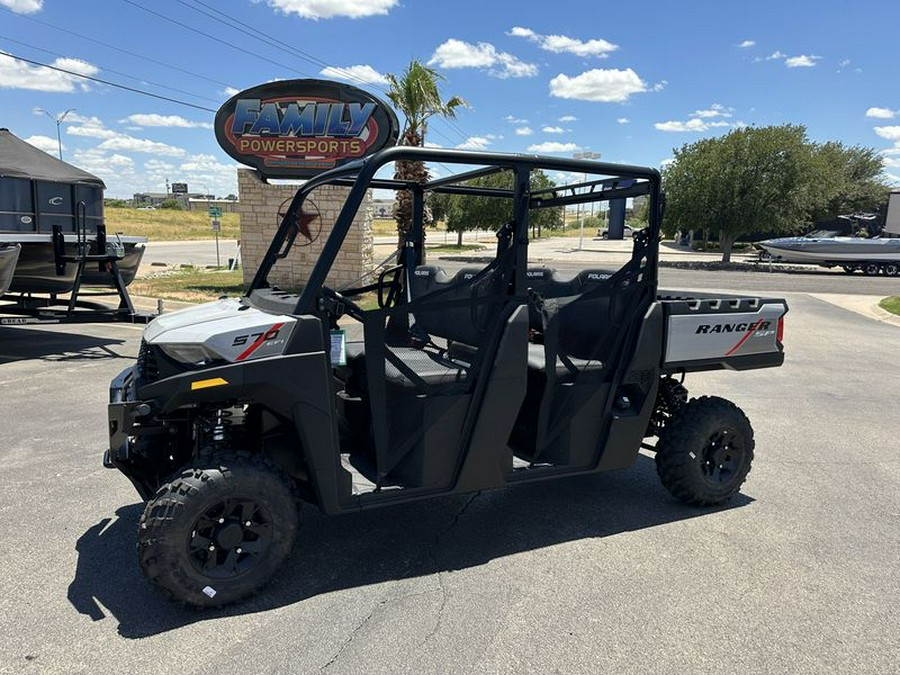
{"x": 299, "y": 128}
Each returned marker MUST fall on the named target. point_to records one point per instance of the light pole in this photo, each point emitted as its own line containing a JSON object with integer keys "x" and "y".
{"x": 584, "y": 155}
{"x": 59, "y": 120}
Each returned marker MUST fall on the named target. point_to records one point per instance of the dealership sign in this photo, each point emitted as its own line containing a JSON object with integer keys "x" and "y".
{"x": 298, "y": 128}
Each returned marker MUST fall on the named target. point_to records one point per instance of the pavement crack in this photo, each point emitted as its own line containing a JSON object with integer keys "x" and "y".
{"x": 353, "y": 634}
{"x": 433, "y": 554}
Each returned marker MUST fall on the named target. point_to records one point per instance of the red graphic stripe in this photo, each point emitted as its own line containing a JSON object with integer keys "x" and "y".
{"x": 750, "y": 331}
{"x": 262, "y": 338}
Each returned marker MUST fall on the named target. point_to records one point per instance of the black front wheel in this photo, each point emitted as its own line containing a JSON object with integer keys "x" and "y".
{"x": 219, "y": 530}
{"x": 706, "y": 451}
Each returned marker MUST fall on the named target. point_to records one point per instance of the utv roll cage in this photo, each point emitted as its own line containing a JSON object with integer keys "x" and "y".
{"x": 616, "y": 181}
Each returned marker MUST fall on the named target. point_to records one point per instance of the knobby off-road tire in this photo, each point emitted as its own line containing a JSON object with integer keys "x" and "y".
{"x": 219, "y": 530}
{"x": 706, "y": 452}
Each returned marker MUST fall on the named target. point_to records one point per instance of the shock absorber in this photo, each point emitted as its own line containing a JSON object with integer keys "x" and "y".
{"x": 215, "y": 427}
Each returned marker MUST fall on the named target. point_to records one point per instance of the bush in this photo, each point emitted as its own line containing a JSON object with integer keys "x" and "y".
{"x": 170, "y": 204}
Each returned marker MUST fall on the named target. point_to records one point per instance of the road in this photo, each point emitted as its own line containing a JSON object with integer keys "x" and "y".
{"x": 559, "y": 253}
{"x": 199, "y": 253}
{"x": 600, "y": 574}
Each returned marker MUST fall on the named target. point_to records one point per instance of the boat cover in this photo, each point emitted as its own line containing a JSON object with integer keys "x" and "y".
{"x": 19, "y": 159}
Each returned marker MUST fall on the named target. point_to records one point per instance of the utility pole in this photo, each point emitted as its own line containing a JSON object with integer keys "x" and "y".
{"x": 59, "y": 120}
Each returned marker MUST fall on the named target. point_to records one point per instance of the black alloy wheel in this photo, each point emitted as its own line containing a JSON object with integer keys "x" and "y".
{"x": 219, "y": 530}
{"x": 706, "y": 452}
{"x": 230, "y": 537}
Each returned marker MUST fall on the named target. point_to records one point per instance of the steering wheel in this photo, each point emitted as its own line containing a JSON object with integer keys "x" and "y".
{"x": 349, "y": 305}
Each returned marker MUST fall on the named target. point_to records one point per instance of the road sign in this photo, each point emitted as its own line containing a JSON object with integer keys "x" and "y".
{"x": 216, "y": 226}
{"x": 215, "y": 212}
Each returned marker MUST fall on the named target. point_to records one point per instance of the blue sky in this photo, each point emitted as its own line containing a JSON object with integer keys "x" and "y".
{"x": 628, "y": 80}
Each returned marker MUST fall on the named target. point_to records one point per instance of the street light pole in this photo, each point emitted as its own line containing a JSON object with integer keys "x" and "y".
{"x": 59, "y": 120}
{"x": 584, "y": 155}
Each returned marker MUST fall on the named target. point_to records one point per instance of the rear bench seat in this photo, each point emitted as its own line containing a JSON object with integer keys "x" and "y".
{"x": 464, "y": 327}
{"x": 580, "y": 326}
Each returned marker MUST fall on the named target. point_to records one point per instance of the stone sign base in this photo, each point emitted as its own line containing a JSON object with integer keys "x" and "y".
{"x": 258, "y": 208}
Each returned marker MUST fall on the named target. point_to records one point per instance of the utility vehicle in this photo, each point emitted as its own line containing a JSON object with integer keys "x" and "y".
{"x": 426, "y": 381}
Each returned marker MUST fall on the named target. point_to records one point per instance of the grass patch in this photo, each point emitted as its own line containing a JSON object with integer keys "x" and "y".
{"x": 190, "y": 285}
{"x": 891, "y": 304}
{"x": 453, "y": 248}
{"x": 169, "y": 225}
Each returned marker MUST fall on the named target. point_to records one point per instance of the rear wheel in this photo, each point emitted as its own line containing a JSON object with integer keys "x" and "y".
{"x": 706, "y": 452}
{"x": 849, "y": 269}
{"x": 219, "y": 530}
{"x": 892, "y": 269}
{"x": 871, "y": 269}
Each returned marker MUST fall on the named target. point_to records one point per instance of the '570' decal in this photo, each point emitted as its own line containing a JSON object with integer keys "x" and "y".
{"x": 270, "y": 334}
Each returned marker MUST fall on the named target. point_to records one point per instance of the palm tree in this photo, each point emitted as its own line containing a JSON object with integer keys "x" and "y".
{"x": 417, "y": 96}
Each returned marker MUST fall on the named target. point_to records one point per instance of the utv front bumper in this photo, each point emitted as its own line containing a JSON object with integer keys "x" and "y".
{"x": 123, "y": 412}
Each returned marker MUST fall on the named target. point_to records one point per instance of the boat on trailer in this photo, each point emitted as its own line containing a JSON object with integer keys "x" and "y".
{"x": 51, "y": 215}
{"x": 871, "y": 255}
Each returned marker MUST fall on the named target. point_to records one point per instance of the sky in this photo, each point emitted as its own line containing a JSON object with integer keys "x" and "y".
{"x": 630, "y": 81}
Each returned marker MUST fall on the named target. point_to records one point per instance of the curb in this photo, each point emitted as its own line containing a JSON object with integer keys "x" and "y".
{"x": 864, "y": 305}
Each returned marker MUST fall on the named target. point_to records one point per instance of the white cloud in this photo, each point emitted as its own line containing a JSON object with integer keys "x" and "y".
{"x": 524, "y": 131}
{"x": 23, "y": 6}
{"x": 515, "y": 120}
{"x": 155, "y": 120}
{"x": 474, "y": 143}
{"x": 230, "y": 91}
{"x": 623, "y": 120}
{"x": 890, "y": 133}
{"x": 747, "y": 43}
{"x": 695, "y": 124}
{"x": 890, "y": 162}
{"x": 565, "y": 44}
{"x": 552, "y": 146}
{"x": 90, "y": 127}
{"x": 568, "y": 118}
{"x": 458, "y": 54}
{"x": 553, "y": 130}
{"x": 715, "y": 110}
{"x": 115, "y": 169}
{"x": 127, "y": 143}
{"x": 882, "y": 113}
{"x": 365, "y": 74}
{"x": 16, "y": 74}
{"x": 605, "y": 86}
{"x": 802, "y": 61}
{"x": 158, "y": 165}
{"x": 44, "y": 143}
{"x": 327, "y": 9}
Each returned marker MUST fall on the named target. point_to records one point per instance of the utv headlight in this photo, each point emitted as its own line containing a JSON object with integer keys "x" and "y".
{"x": 195, "y": 354}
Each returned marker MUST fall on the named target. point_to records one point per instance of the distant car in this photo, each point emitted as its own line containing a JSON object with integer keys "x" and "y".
{"x": 603, "y": 232}
{"x": 146, "y": 208}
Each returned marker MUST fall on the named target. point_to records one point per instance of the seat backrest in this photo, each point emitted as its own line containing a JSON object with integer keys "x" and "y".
{"x": 584, "y": 323}
{"x": 461, "y": 324}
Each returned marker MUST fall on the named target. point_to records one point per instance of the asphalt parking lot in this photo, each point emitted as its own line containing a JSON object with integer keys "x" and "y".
{"x": 595, "y": 574}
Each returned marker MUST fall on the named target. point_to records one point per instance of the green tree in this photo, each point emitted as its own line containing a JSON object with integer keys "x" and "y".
{"x": 750, "y": 180}
{"x": 848, "y": 180}
{"x": 170, "y": 204}
{"x": 416, "y": 94}
{"x": 480, "y": 212}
